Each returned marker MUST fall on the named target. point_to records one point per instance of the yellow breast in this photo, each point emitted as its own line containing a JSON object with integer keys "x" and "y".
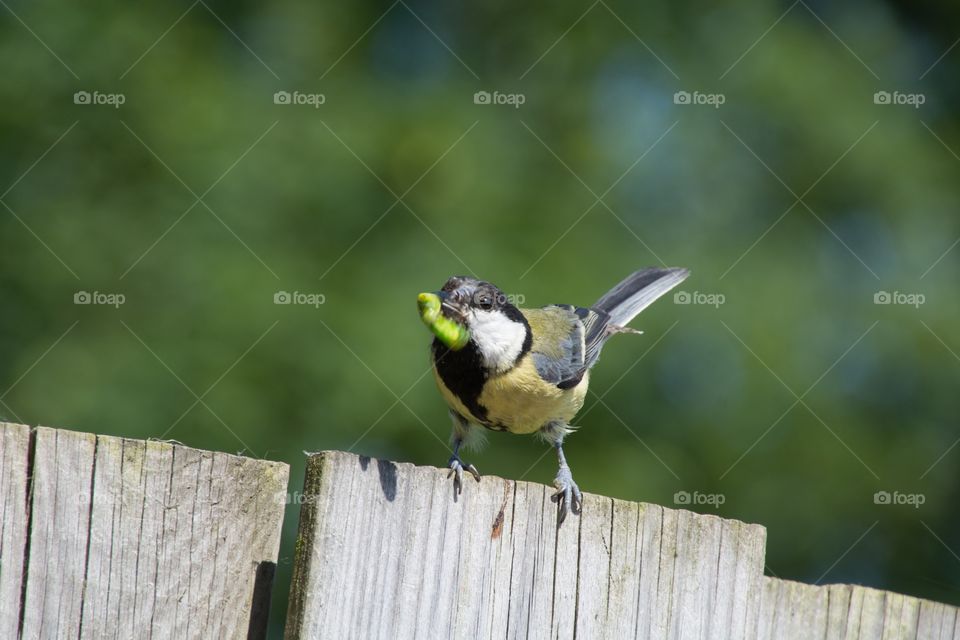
{"x": 522, "y": 402}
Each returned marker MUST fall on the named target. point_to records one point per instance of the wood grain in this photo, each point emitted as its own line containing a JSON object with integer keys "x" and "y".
{"x": 14, "y": 517}
{"x": 107, "y": 537}
{"x": 850, "y": 612}
{"x": 127, "y": 538}
{"x": 384, "y": 551}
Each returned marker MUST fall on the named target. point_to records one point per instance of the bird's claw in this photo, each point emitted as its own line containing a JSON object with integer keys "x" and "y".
{"x": 568, "y": 496}
{"x": 457, "y": 466}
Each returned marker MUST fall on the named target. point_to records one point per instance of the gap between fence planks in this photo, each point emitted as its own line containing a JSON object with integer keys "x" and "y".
{"x": 110, "y": 537}
{"x": 383, "y": 551}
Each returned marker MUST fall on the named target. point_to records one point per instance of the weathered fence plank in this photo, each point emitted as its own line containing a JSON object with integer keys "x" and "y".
{"x": 127, "y": 538}
{"x": 59, "y": 524}
{"x": 850, "y": 612}
{"x": 14, "y": 460}
{"x": 384, "y": 551}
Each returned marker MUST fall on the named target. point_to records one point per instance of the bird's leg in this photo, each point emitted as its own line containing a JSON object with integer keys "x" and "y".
{"x": 457, "y": 467}
{"x": 568, "y": 496}
{"x": 460, "y": 430}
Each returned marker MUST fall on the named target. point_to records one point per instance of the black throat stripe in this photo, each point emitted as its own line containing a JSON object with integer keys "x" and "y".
{"x": 463, "y": 373}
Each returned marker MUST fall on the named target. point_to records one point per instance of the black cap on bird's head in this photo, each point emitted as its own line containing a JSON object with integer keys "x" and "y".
{"x": 461, "y": 294}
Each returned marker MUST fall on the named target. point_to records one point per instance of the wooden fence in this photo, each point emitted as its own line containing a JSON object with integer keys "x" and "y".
{"x": 384, "y": 552}
{"x": 106, "y": 537}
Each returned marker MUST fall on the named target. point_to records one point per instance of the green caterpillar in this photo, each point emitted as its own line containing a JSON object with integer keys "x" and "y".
{"x": 451, "y": 333}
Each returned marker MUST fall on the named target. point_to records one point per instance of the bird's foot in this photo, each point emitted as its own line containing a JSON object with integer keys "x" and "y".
{"x": 457, "y": 467}
{"x": 568, "y": 496}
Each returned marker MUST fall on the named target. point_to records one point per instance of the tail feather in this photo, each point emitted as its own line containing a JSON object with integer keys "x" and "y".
{"x": 637, "y": 292}
{"x": 620, "y": 305}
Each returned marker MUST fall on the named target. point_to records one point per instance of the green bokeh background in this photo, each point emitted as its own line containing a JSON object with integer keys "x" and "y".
{"x": 298, "y": 198}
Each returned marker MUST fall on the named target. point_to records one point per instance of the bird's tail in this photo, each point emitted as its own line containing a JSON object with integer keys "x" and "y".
{"x": 637, "y": 292}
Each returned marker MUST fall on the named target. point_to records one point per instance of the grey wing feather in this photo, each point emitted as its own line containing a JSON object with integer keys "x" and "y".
{"x": 567, "y": 370}
{"x": 595, "y": 324}
{"x": 554, "y": 370}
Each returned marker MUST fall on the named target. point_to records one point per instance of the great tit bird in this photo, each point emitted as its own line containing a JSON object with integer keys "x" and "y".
{"x": 525, "y": 370}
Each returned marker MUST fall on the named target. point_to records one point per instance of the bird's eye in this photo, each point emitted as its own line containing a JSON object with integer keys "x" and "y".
{"x": 484, "y": 301}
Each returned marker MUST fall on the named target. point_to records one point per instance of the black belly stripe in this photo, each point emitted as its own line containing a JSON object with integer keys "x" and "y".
{"x": 464, "y": 375}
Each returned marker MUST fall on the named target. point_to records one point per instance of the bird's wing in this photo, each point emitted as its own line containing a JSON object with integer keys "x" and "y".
{"x": 564, "y": 339}
{"x": 567, "y": 340}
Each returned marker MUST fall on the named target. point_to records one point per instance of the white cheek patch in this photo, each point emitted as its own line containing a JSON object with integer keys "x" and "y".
{"x": 499, "y": 339}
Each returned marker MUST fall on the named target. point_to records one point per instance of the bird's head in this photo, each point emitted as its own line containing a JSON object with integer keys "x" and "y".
{"x": 472, "y": 310}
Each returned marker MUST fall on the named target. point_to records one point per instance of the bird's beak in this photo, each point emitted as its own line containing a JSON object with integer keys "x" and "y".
{"x": 450, "y": 308}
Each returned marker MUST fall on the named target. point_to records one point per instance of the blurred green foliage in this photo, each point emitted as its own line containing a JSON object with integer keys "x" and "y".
{"x": 797, "y": 200}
